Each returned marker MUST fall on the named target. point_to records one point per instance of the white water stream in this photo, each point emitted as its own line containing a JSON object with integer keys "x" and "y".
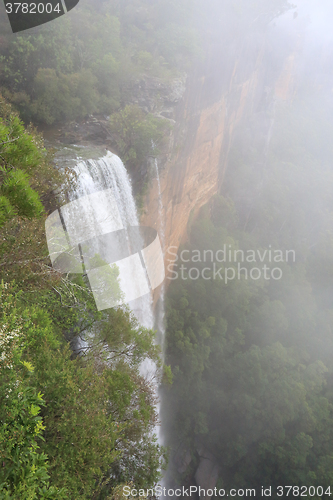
{"x": 108, "y": 175}
{"x": 99, "y": 176}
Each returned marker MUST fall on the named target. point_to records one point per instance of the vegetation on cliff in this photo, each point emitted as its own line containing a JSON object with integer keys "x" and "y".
{"x": 78, "y": 426}
{"x": 84, "y": 62}
{"x": 70, "y": 426}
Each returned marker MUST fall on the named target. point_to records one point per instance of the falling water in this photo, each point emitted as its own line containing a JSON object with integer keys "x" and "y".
{"x": 160, "y": 206}
{"x": 98, "y": 176}
{"x": 161, "y": 226}
{"x": 108, "y": 172}
{"x": 160, "y": 309}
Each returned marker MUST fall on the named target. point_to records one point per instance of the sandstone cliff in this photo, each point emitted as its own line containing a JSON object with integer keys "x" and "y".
{"x": 222, "y": 91}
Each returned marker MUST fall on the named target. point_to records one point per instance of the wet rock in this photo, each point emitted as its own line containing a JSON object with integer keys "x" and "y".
{"x": 92, "y": 129}
{"x": 207, "y": 473}
{"x": 153, "y": 94}
{"x": 167, "y": 113}
{"x": 177, "y": 90}
{"x": 183, "y": 459}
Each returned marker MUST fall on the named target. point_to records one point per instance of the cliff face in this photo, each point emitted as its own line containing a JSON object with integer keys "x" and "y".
{"x": 229, "y": 86}
{"x": 234, "y": 84}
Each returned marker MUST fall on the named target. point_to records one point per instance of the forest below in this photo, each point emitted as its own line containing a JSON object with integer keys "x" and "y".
{"x": 252, "y": 357}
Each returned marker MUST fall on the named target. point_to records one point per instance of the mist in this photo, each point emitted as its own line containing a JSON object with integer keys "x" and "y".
{"x": 211, "y": 124}
{"x": 237, "y": 416}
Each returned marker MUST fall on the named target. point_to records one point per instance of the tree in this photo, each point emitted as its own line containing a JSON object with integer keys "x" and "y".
{"x": 97, "y": 413}
{"x": 136, "y": 133}
{"x": 24, "y": 470}
{"x": 252, "y": 359}
{"x": 19, "y": 156}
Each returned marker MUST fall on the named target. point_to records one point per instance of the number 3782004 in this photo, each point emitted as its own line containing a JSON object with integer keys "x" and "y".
{"x": 32, "y": 8}
{"x": 303, "y": 491}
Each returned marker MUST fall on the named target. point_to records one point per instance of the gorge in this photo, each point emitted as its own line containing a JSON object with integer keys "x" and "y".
{"x": 209, "y": 123}
{"x": 221, "y": 95}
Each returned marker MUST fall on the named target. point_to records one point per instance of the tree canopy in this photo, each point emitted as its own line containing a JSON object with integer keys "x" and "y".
{"x": 252, "y": 358}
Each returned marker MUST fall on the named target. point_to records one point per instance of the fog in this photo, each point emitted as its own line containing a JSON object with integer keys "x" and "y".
{"x": 234, "y": 417}
{"x": 221, "y": 112}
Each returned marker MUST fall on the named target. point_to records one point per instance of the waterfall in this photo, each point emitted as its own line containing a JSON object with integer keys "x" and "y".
{"x": 160, "y": 310}
{"x": 98, "y": 176}
{"x": 160, "y": 206}
{"x": 106, "y": 181}
{"x": 109, "y": 173}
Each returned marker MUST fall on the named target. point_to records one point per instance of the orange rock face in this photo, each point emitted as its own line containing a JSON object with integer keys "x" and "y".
{"x": 206, "y": 126}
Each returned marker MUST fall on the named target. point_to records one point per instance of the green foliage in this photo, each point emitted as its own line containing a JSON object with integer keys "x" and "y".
{"x": 62, "y": 97}
{"x": 71, "y": 426}
{"x": 167, "y": 375}
{"x": 24, "y": 471}
{"x": 84, "y": 64}
{"x": 18, "y": 192}
{"x": 98, "y": 411}
{"x": 26, "y": 180}
{"x": 21, "y": 157}
{"x": 6, "y": 210}
{"x": 136, "y": 133}
{"x": 252, "y": 359}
